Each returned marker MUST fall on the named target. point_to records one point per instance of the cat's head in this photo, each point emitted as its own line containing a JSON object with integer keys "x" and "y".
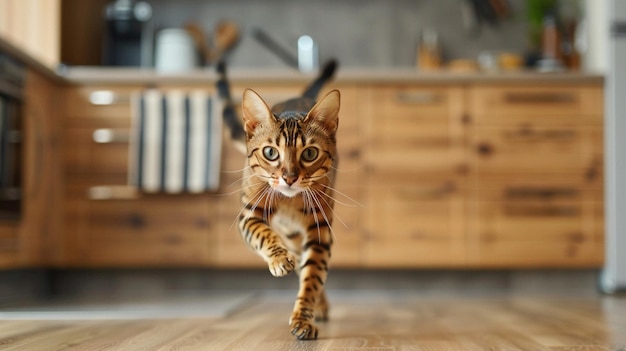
{"x": 291, "y": 151}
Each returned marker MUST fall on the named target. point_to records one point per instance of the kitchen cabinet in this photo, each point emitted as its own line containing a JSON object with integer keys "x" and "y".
{"x": 415, "y": 189}
{"x": 34, "y": 26}
{"x": 26, "y": 241}
{"x": 536, "y": 181}
{"x": 107, "y": 222}
{"x": 127, "y": 228}
{"x": 439, "y": 175}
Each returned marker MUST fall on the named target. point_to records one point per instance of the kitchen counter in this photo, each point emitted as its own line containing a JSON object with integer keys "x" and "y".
{"x": 101, "y": 75}
{"x": 109, "y": 75}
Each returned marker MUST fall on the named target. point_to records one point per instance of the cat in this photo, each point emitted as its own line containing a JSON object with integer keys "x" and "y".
{"x": 287, "y": 187}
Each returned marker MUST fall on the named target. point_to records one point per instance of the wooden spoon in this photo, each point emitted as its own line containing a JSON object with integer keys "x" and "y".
{"x": 226, "y": 36}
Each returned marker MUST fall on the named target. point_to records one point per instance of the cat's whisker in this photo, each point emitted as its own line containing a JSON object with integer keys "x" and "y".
{"x": 319, "y": 205}
{"x": 312, "y": 209}
{"x": 335, "y": 191}
{"x": 259, "y": 194}
{"x": 238, "y": 190}
{"x": 233, "y": 171}
{"x": 242, "y": 179}
{"x": 269, "y": 205}
{"x": 331, "y": 207}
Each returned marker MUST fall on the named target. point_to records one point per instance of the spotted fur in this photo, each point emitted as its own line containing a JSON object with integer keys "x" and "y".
{"x": 287, "y": 194}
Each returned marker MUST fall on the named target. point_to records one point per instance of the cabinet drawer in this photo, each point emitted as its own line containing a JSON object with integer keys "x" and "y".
{"x": 84, "y": 155}
{"x": 418, "y": 103}
{"x": 99, "y": 107}
{"x": 151, "y": 231}
{"x": 415, "y": 129}
{"x": 535, "y": 234}
{"x": 538, "y": 188}
{"x": 416, "y": 161}
{"x": 415, "y": 114}
{"x": 537, "y": 149}
{"x": 415, "y": 224}
{"x": 536, "y": 104}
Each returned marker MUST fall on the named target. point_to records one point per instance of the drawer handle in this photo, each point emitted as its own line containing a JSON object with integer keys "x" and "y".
{"x": 549, "y": 135}
{"x": 436, "y": 192}
{"x": 539, "y": 211}
{"x": 541, "y": 193}
{"x": 418, "y": 98}
{"x": 539, "y": 98}
{"x": 109, "y": 136}
{"x": 112, "y": 192}
{"x": 107, "y": 97}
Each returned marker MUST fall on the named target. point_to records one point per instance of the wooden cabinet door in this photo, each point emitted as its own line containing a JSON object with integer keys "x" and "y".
{"x": 153, "y": 230}
{"x": 536, "y": 182}
{"x": 415, "y": 221}
{"x": 138, "y": 229}
{"x": 536, "y": 149}
{"x": 30, "y": 239}
{"x": 33, "y": 26}
{"x": 414, "y": 150}
{"x": 536, "y": 221}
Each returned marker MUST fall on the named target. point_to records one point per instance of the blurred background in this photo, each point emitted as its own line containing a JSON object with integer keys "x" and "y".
{"x": 478, "y": 139}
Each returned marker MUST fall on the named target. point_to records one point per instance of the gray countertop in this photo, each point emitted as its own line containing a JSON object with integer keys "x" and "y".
{"x": 100, "y": 75}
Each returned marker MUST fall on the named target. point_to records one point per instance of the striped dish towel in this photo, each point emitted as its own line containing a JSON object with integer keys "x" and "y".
{"x": 176, "y": 140}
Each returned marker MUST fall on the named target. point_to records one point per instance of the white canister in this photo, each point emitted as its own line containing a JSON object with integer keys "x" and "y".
{"x": 175, "y": 51}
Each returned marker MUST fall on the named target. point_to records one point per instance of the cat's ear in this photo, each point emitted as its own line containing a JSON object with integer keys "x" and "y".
{"x": 326, "y": 111}
{"x": 255, "y": 111}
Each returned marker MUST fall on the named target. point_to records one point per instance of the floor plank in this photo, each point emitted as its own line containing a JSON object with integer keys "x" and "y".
{"x": 379, "y": 321}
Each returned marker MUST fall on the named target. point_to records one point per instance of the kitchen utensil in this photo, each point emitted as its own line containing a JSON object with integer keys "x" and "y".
{"x": 308, "y": 54}
{"x": 175, "y": 51}
{"x": 274, "y": 47}
{"x": 200, "y": 41}
{"x": 225, "y": 38}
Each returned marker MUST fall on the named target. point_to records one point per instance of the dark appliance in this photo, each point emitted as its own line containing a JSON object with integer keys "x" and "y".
{"x": 12, "y": 75}
{"x": 128, "y": 34}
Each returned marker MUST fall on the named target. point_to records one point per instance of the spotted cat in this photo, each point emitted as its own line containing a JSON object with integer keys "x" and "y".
{"x": 287, "y": 188}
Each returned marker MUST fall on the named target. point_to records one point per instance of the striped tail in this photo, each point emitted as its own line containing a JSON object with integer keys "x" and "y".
{"x": 229, "y": 113}
{"x": 327, "y": 73}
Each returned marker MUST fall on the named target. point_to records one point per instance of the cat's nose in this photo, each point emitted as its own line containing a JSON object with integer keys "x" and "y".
{"x": 290, "y": 178}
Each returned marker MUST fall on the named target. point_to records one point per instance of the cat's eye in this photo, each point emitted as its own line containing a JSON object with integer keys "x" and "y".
{"x": 270, "y": 153}
{"x": 310, "y": 154}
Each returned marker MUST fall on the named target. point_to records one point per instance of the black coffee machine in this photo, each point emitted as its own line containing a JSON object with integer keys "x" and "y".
{"x": 128, "y": 34}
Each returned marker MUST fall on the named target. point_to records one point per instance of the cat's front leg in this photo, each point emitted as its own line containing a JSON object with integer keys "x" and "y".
{"x": 313, "y": 272}
{"x": 266, "y": 243}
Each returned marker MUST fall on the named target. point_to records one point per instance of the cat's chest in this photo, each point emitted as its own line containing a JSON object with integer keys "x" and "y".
{"x": 288, "y": 216}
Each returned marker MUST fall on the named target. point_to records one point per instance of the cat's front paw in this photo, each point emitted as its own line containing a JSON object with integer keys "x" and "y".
{"x": 281, "y": 265}
{"x": 303, "y": 330}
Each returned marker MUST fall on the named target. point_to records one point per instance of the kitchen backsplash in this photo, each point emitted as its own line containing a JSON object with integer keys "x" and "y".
{"x": 362, "y": 33}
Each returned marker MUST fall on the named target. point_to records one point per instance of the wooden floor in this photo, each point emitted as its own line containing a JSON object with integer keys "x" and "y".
{"x": 359, "y": 321}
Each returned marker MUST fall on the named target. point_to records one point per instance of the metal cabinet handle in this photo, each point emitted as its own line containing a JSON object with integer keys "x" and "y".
{"x": 418, "y": 97}
{"x": 107, "y": 97}
{"x": 112, "y": 192}
{"x": 107, "y": 136}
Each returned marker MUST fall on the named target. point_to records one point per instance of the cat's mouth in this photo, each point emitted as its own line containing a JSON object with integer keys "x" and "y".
{"x": 288, "y": 190}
